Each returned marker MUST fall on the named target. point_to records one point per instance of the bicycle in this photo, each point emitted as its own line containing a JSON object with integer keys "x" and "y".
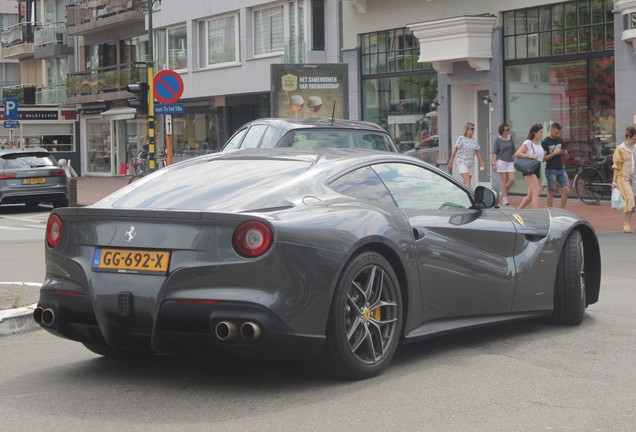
{"x": 140, "y": 163}
{"x": 592, "y": 183}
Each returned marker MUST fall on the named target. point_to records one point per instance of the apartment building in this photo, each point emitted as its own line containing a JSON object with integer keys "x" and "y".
{"x": 35, "y": 56}
{"x": 223, "y": 51}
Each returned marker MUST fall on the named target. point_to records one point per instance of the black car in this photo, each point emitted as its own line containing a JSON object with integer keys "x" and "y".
{"x": 310, "y": 133}
{"x": 31, "y": 177}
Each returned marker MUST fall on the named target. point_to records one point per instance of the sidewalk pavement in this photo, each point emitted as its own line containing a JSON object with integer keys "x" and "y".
{"x": 17, "y": 299}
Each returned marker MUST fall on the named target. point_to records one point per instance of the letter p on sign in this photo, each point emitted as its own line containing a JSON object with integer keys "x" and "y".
{"x": 11, "y": 108}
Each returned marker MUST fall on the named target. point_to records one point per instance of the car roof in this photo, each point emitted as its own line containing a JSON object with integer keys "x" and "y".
{"x": 318, "y": 122}
{"x": 247, "y": 179}
{"x": 23, "y": 151}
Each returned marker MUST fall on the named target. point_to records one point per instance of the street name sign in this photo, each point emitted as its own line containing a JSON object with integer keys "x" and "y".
{"x": 175, "y": 108}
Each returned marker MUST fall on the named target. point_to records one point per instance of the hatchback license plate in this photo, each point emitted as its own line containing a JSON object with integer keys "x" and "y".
{"x": 136, "y": 261}
{"x": 31, "y": 181}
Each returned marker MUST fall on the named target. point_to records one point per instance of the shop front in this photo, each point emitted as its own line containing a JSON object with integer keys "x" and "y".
{"x": 50, "y": 128}
{"x": 559, "y": 67}
{"x": 111, "y": 139}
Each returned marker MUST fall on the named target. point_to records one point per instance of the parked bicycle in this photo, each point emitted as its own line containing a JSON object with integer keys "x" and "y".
{"x": 140, "y": 163}
{"x": 593, "y": 182}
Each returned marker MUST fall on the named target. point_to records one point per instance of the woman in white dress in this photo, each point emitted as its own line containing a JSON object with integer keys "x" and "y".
{"x": 465, "y": 150}
{"x": 532, "y": 149}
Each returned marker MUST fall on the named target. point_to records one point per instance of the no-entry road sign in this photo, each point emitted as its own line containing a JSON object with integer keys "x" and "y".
{"x": 168, "y": 86}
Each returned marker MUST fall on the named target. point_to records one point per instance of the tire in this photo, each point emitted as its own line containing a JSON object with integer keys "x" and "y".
{"x": 570, "y": 298}
{"x": 365, "y": 320}
{"x": 585, "y": 184}
{"x": 104, "y": 350}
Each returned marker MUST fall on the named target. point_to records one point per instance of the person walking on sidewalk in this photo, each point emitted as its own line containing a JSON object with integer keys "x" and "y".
{"x": 503, "y": 162}
{"x": 532, "y": 149}
{"x": 555, "y": 172}
{"x": 625, "y": 175}
{"x": 465, "y": 150}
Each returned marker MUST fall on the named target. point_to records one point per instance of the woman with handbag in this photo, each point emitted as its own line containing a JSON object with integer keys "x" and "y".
{"x": 465, "y": 150}
{"x": 531, "y": 150}
{"x": 502, "y": 161}
{"x": 625, "y": 175}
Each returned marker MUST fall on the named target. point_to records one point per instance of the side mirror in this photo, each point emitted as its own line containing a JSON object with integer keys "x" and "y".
{"x": 485, "y": 198}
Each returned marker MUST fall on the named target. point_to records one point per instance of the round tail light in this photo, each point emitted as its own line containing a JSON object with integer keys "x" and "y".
{"x": 53, "y": 230}
{"x": 252, "y": 239}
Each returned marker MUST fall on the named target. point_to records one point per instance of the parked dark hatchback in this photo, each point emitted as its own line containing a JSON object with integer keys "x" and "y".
{"x": 31, "y": 177}
{"x": 310, "y": 133}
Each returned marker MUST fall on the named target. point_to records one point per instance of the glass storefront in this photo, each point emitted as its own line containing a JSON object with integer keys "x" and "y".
{"x": 397, "y": 90}
{"x": 50, "y": 128}
{"x": 559, "y": 67}
{"x": 195, "y": 133}
{"x": 112, "y": 144}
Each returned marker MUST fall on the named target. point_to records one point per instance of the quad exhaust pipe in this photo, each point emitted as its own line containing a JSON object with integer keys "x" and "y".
{"x": 250, "y": 331}
{"x": 45, "y": 317}
{"x": 226, "y": 331}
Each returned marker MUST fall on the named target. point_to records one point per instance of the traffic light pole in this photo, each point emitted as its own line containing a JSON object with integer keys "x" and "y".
{"x": 151, "y": 92}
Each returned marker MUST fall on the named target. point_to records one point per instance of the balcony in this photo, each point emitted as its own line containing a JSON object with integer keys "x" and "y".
{"x": 87, "y": 16}
{"x": 50, "y": 41}
{"x": 17, "y": 40}
{"x": 104, "y": 84}
{"x": 51, "y": 96}
{"x": 24, "y": 93}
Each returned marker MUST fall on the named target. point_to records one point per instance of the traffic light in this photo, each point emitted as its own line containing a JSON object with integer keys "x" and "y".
{"x": 141, "y": 102}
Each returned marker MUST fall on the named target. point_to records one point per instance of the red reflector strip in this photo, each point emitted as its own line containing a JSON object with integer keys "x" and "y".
{"x": 57, "y": 173}
{"x": 193, "y": 301}
{"x": 7, "y": 176}
{"x": 68, "y": 293}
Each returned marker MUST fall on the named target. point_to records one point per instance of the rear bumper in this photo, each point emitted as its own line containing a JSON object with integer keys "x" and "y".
{"x": 49, "y": 195}
{"x": 180, "y": 328}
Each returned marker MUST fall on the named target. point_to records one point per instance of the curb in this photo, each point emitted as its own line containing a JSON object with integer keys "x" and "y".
{"x": 18, "y": 320}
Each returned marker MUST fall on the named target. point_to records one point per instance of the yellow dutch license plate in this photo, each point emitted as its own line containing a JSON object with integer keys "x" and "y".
{"x": 31, "y": 181}
{"x": 135, "y": 261}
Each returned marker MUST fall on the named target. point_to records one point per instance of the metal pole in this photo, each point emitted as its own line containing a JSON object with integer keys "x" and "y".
{"x": 151, "y": 92}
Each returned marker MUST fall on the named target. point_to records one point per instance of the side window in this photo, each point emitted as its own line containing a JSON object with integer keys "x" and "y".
{"x": 269, "y": 138}
{"x": 376, "y": 142}
{"x": 364, "y": 185}
{"x": 253, "y": 136}
{"x": 416, "y": 187}
{"x": 235, "y": 141}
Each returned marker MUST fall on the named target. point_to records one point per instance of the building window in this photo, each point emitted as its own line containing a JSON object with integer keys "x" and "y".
{"x": 219, "y": 41}
{"x": 559, "y": 67}
{"x": 269, "y": 30}
{"x": 172, "y": 48}
{"x": 397, "y": 90}
{"x": 565, "y": 28}
{"x": 295, "y": 44}
{"x": 318, "y": 25}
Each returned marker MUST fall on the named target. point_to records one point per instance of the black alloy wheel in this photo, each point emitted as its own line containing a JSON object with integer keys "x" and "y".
{"x": 365, "y": 321}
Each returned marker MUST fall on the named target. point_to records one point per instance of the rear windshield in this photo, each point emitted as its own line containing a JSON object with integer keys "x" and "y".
{"x": 333, "y": 138}
{"x": 214, "y": 185}
{"x": 17, "y": 161}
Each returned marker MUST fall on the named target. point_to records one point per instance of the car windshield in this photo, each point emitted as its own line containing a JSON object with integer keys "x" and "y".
{"x": 17, "y": 161}
{"x": 334, "y": 138}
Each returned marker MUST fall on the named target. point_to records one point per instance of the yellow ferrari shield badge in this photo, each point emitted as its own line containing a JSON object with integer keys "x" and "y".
{"x": 519, "y": 219}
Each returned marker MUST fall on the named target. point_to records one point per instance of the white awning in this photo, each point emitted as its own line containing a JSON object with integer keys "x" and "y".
{"x": 120, "y": 113}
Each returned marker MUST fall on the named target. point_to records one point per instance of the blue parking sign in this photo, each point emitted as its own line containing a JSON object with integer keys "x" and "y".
{"x": 11, "y": 108}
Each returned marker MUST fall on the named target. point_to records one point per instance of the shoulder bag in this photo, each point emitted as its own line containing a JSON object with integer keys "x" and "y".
{"x": 527, "y": 166}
